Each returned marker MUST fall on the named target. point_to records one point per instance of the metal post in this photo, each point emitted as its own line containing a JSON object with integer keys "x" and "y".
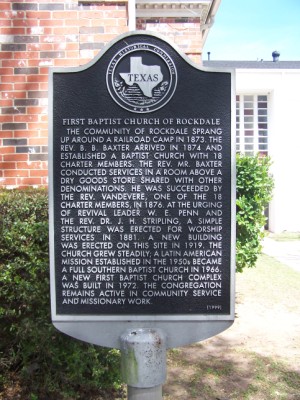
{"x": 143, "y": 363}
{"x": 154, "y": 393}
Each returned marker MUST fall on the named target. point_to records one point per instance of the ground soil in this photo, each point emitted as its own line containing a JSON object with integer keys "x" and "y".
{"x": 262, "y": 325}
{"x": 266, "y": 330}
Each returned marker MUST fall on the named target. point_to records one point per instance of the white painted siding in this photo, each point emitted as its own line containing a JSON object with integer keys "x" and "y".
{"x": 283, "y": 89}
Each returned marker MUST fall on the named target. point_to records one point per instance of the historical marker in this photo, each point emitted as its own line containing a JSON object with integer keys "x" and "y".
{"x": 141, "y": 194}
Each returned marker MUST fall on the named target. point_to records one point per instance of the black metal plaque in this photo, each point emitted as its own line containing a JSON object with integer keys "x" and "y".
{"x": 141, "y": 185}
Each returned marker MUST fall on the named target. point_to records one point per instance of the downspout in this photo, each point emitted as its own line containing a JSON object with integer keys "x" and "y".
{"x": 210, "y": 19}
{"x": 131, "y": 15}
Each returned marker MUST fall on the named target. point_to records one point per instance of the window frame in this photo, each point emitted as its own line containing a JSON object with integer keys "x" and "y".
{"x": 252, "y": 115}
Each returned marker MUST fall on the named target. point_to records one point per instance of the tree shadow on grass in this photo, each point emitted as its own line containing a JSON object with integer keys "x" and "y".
{"x": 219, "y": 372}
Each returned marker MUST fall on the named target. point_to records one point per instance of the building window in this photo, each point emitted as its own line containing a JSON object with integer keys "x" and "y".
{"x": 252, "y": 124}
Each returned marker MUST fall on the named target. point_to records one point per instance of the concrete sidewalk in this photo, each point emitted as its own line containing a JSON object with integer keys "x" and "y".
{"x": 287, "y": 252}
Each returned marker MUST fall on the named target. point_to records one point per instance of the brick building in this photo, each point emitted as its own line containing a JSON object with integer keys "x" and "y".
{"x": 36, "y": 35}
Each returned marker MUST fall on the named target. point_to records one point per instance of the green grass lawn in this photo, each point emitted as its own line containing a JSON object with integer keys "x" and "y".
{"x": 285, "y": 236}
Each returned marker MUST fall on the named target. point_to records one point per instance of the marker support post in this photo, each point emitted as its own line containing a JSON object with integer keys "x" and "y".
{"x": 143, "y": 363}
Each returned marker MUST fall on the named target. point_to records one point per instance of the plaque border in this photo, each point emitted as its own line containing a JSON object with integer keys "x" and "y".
{"x": 87, "y": 327}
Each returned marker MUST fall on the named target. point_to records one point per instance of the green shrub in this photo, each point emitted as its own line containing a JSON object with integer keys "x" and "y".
{"x": 254, "y": 191}
{"x": 47, "y": 363}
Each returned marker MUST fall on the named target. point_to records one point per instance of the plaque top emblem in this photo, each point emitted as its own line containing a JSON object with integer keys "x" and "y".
{"x": 141, "y": 78}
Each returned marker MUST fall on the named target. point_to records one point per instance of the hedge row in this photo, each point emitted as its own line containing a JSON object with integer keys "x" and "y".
{"x": 33, "y": 354}
{"x": 254, "y": 186}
